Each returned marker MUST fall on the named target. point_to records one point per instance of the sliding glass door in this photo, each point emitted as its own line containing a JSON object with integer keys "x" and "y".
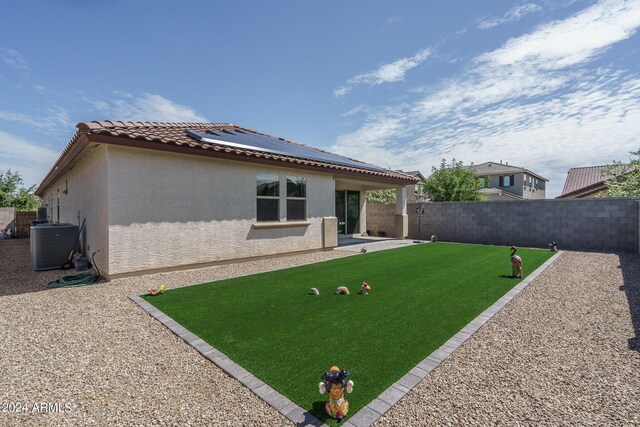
{"x": 348, "y": 211}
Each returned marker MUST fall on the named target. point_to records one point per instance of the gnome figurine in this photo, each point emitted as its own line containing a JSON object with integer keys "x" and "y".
{"x": 335, "y": 383}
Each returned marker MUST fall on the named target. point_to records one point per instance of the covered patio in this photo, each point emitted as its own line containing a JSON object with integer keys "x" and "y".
{"x": 351, "y": 208}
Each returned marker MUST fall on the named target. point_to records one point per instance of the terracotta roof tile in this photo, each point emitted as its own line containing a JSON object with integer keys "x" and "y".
{"x": 582, "y": 177}
{"x": 175, "y": 134}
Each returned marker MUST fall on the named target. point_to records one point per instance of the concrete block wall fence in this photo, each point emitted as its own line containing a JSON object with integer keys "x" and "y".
{"x": 601, "y": 224}
{"x": 381, "y": 220}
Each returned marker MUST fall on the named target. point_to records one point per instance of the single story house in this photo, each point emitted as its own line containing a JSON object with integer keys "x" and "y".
{"x": 588, "y": 181}
{"x": 506, "y": 182}
{"x": 165, "y": 195}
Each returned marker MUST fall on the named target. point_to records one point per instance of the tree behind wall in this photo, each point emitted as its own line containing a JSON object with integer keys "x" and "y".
{"x": 14, "y": 195}
{"x": 381, "y": 197}
{"x": 625, "y": 178}
{"x": 453, "y": 183}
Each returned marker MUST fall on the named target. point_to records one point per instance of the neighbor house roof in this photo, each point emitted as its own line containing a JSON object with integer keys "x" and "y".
{"x": 174, "y": 137}
{"x": 415, "y": 174}
{"x": 492, "y": 168}
{"x": 585, "y": 181}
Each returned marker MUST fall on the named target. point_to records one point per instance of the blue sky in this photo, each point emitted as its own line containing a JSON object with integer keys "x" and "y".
{"x": 544, "y": 84}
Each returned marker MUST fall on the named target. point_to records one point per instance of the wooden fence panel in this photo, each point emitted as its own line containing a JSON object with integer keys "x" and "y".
{"x": 23, "y": 224}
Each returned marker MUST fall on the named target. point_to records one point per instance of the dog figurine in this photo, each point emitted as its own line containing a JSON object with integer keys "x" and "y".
{"x": 342, "y": 290}
{"x": 334, "y": 381}
{"x": 154, "y": 291}
{"x": 365, "y": 288}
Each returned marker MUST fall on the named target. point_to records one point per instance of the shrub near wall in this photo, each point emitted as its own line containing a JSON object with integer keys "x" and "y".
{"x": 604, "y": 224}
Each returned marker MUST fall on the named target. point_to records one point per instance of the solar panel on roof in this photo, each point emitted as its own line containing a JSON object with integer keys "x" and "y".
{"x": 270, "y": 144}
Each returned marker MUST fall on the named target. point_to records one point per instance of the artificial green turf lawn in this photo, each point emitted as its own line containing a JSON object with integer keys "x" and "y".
{"x": 421, "y": 296}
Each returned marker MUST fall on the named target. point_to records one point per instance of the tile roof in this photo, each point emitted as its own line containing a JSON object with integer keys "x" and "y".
{"x": 587, "y": 180}
{"x": 492, "y": 168}
{"x": 174, "y": 134}
{"x": 415, "y": 174}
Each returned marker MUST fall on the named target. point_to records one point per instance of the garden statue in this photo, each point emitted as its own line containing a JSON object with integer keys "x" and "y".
{"x": 516, "y": 263}
{"x": 154, "y": 291}
{"x": 342, "y": 290}
{"x": 365, "y": 288}
{"x": 335, "y": 383}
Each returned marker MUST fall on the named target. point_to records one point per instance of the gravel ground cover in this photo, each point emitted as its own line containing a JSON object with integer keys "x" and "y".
{"x": 94, "y": 348}
{"x": 558, "y": 354}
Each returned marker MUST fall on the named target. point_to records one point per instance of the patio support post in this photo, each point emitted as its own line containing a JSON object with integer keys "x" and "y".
{"x": 402, "y": 219}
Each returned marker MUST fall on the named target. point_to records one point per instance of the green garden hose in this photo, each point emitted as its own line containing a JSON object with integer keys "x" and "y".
{"x": 81, "y": 279}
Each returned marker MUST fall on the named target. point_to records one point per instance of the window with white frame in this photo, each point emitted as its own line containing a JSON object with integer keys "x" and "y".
{"x": 268, "y": 197}
{"x": 296, "y": 198}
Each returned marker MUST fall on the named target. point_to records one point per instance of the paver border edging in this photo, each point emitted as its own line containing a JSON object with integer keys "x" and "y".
{"x": 278, "y": 401}
{"x": 374, "y": 409}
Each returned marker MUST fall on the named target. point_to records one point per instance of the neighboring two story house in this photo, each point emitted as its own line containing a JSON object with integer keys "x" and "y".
{"x": 414, "y": 191}
{"x": 504, "y": 182}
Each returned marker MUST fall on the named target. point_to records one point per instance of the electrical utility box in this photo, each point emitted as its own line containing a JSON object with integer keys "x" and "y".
{"x": 51, "y": 245}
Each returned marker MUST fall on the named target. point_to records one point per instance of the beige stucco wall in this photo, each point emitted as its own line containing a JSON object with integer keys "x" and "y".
{"x": 531, "y": 190}
{"x": 86, "y": 185}
{"x": 169, "y": 210}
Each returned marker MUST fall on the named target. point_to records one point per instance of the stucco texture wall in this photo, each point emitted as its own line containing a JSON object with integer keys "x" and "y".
{"x": 604, "y": 224}
{"x": 86, "y": 185}
{"x": 168, "y": 210}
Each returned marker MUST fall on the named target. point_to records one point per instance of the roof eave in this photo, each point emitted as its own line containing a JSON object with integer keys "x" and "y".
{"x": 71, "y": 151}
{"x": 584, "y": 191}
{"x": 261, "y": 158}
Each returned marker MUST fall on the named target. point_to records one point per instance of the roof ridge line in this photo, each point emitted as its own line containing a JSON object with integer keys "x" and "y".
{"x": 96, "y": 124}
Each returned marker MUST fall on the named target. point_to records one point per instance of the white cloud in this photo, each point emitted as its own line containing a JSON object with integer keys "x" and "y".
{"x": 17, "y": 117}
{"x": 512, "y": 15}
{"x": 574, "y": 40}
{"x": 15, "y": 59}
{"x": 50, "y": 119}
{"x": 341, "y": 91}
{"x": 145, "y": 107}
{"x": 362, "y": 108}
{"x": 387, "y": 73}
{"x": 394, "y": 20}
{"x": 31, "y": 159}
{"x": 532, "y": 102}
{"x": 537, "y": 63}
